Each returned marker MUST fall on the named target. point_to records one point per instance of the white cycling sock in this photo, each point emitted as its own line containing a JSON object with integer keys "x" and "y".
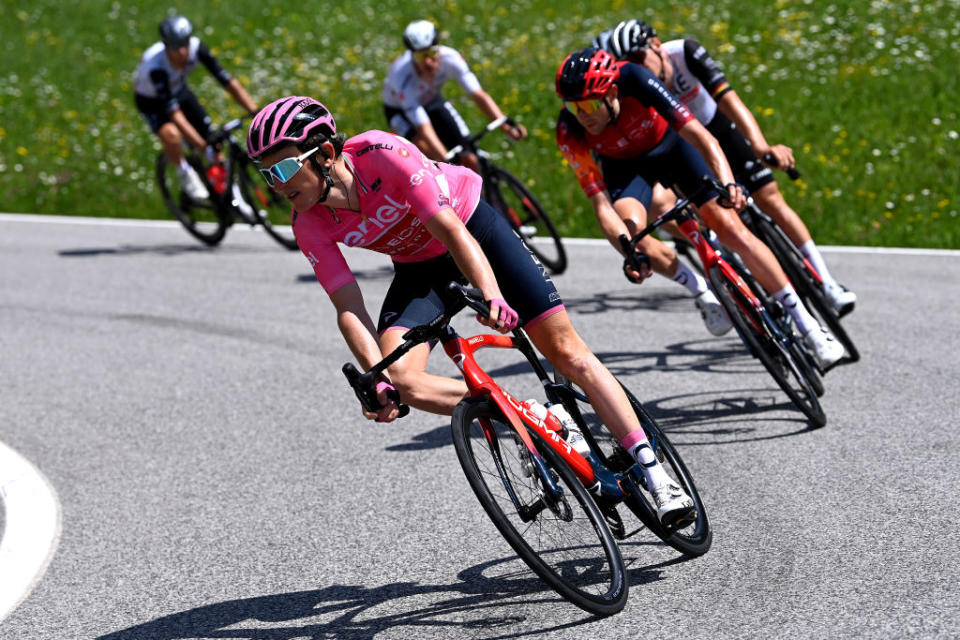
{"x": 812, "y": 253}
{"x": 689, "y": 278}
{"x": 801, "y": 317}
{"x": 638, "y": 446}
{"x": 184, "y": 166}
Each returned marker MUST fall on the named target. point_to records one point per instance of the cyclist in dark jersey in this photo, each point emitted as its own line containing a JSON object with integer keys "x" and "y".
{"x": 641, "y": 134}
{"x": 377, "y": 190}
{"x": 169, "y": 106}
{"x": 687, "y": 69}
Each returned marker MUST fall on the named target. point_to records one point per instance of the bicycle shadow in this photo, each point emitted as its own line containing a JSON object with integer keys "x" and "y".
{"x": 380, "y": 273}
{"x": 477, "y": 602}
{"x": 137, "y": 250}
{"x": 630, "y": 301}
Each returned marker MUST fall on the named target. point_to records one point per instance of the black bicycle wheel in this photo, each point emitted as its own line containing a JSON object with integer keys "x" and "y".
{"x": 694, "y": 539}
{"x": 512, "y": 198}
{"x": 567, "y": 544}
{"x": 808, "y": 286}
{"x": 272, "y": 209}
{"x": 776, "y": 358}
{"x": 805, "y": 360}
{"x": 202, "y": 219}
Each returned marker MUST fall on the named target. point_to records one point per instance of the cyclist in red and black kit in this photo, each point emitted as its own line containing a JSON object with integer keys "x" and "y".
{"x": 620, "y": 115}
{"x": 687, "y": 69}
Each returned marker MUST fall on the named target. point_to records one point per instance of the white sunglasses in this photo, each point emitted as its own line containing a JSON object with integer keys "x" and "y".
{"x": 286, "y": 168}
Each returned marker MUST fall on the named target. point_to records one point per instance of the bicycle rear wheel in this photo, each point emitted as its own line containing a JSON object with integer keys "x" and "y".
{"x": 569, "y": 544}
{"x": 271, "y": 208}
{"x": 774, "y": 356}
{"x": 512, "y": 198}
{"x": 694, "y": 539}
{"x": 808, "y": 286}
{"x": 202, "y": 219}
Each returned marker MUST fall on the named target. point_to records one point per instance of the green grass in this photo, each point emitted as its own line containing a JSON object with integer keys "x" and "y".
{"x": 865, "y": 91}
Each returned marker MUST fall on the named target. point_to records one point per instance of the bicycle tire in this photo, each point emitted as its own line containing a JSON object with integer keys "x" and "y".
{"x": 518, "y": 205}
{"x": 589, "y": 571}
{"x": 809, "y": 288}
{"x": 693, "y": 540}
{"x": 775, "y": 358}
{"x": 805, "y": 360}
{"x": 269, "y": 205}
{"x": 203, "y": 220}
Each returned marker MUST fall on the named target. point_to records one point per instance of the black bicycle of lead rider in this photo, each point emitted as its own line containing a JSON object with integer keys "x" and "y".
{"x": 251, "y": 201}
{"x": 510, "y": 196}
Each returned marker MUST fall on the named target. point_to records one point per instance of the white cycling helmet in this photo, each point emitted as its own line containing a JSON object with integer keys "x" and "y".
{"x": 420, "y": 34}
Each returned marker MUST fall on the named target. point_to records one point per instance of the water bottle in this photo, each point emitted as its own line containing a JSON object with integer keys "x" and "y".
{"x": 217, "y": 175}
{"x": 574, "y": 436}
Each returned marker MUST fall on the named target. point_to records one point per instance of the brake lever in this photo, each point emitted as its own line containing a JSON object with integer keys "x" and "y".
{"x": 365, "y": 388}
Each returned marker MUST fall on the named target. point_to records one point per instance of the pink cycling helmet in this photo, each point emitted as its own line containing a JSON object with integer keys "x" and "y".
{"x": 288, "y": 120}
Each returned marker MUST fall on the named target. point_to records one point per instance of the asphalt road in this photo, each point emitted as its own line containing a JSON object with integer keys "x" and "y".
{"x": 216, "y": 480}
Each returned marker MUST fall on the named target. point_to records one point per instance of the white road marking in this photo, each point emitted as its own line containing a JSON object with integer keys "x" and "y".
{"x": 172, "y": 224}
{"x": 31, "y": 528}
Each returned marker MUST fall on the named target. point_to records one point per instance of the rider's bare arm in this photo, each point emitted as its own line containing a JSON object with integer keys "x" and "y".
{"x": 195, "y": 139}
{"x": 733, "y": 107}
{"x": 448, "y": 229}
{"x": 240, "y": 94}
{"x": 356, "y": 325}
{"x": 489, "y": 107}
{"x": 611, "y": 224}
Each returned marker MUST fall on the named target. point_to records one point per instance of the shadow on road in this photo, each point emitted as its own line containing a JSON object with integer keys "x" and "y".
{"x": 380, "y": 273}
{"x": 488, "y": 601}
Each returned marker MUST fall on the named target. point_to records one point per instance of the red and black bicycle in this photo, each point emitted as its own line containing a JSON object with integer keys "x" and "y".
{"x": 558, "y": 509}
{"x": 765, "y": 328}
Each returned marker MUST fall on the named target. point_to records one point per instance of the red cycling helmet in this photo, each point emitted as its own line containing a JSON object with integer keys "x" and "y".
{"x": 587, "y": 73}
{"x": 288, "y": 120}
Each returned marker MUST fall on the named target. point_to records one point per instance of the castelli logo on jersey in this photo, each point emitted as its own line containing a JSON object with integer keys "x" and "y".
{"x": 385, "y": 215}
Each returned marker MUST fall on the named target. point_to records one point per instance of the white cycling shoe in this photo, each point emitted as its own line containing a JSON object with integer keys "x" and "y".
{"x": 192, "y": 184}
{"x": 245, "y": 209}
{"x": 841, "y": 298}
{"x": 713, "y": 313}
{"x": 674, "y": 506}
{"x": 824, "y": 347}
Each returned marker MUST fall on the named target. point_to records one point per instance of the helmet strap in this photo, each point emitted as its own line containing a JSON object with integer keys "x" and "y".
{"x": 327, "y": 178}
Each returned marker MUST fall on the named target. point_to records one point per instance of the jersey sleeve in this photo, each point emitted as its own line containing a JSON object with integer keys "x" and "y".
{"x": 575, "y": 150}
{"x": 212, "y": 64}
{"x": 703, "y": 67}
{"x": 461, "y": 71}
{"x": 639, "y": 82}
{"x": 322, "y": 253}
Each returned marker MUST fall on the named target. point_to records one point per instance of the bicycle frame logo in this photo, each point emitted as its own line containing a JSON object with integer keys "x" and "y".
{"x": 480, "y": 383}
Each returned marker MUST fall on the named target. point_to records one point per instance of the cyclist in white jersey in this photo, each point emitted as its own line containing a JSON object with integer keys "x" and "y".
{"x": 686, "y": 68}
{"x": 169, "y": 106}
{"x": 414, "y": 105}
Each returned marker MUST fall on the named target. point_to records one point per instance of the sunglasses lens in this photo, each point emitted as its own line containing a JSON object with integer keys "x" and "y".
{"x": 423, "y": 54}
{"x": 267, "y": 176}
{"x": 583, "y": 106}
{"x": 284, "y": 170}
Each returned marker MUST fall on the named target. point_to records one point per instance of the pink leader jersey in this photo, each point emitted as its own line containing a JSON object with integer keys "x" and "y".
{"x": 400, "y": 189}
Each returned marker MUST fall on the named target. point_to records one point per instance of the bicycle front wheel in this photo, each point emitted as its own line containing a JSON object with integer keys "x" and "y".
{"x": 201, "y": 218}
{"x": 512, "y": 198}
{"x": 770, "y": 352}
{"x": 567, "y": 543}
{"x": 270, "y": 207}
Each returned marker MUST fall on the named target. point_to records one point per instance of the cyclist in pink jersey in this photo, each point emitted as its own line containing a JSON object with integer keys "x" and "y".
{"x": 378, "y": 191}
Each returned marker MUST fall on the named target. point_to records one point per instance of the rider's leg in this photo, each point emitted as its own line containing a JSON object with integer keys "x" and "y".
{"x": 562, "y": 346}
{"x": 425, "y": 391}
{"x": 765, "y": 268}
{"x": 171, "y": 139}
{"x": 771, "y": 201}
